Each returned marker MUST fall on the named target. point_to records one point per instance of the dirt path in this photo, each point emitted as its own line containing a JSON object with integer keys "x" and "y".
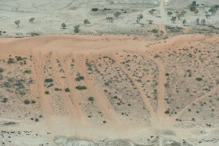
{"x": 38, "y": 61}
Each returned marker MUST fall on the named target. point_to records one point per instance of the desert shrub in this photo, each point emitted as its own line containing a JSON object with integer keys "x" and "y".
{"x": 1, "y": 70}
{"x": 77, "y": 28}
{"x": 67, "y": 90}
{"x": 110, "y": 19}
{"x": 79, "y": 78}
{"x": 48, "y": 80}
{"x": 46, "y": 92}
{"x": 5, "y": 100}
{"x": 11, "y": 60}
{"x": 31, "y": 19}
{"x": 154, "y": 30}
{"x": 50, "y": 85}
{"x": 63, "y": 25}
{"x": 94, "y": 9}
{"x": 81, "y": 87}
{"x": 33, "y": 101}
{"x": 19, "y": 58}
{"x": 26, "y": 101}
{"x": 57, "y": 89}
{"x": 105, "y": 9}
{"x": 27, "y": 71}
{"x": 199, "y": 79}
{"x": 91, "y": 99}
{"x": 17, "y": 22}
{"x": 167, "y": 112}
{"x": 36, "y": 119}
{"x": 86, "y": 21}
{"x": 116, "y": 14}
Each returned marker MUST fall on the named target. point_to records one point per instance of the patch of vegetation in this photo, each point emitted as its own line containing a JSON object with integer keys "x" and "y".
{"x": 199, "y": 79}
{"x": 91, "y": 99}
{"x": 5, "y": 100}
{"x": 57, "y": 89}
{"x": 1, "y": 70}
{"x": 79, "y": 78}
{"x": 27, "y": 71}
{"x": 48, "y": 80}
{"x": 154, "y": 30}
{"x": 46, "y": 92}
{"x": 94, "y": 9}
{"x": 19, "y": 58}
{"x": 26, "y": 101}
{"x": 67, "y": 90}
{"x": 11, "y": 60}
{"x": 81, "y": 87}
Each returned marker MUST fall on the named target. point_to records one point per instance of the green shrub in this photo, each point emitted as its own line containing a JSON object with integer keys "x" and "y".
{"x": 94, "y": 9}
{"x": 26, "y": 101}
{"x": 67, "y": 90}
{"x": 1, "y": 70}
{"x": 91, "y": 99}
{"x": 57, "y": 89}
{"x": 167, "y": 112}
{"x": 79, "y": 78}
{"x": 81, "y": 87}
{"x": 33, "y": 101}
{"x": 27, "y": 71}
{"x": 19, "y": 58}
{"x": 199, "y": 79}
{"x": 48, "y": 80}
{"x": 11, "y": 60}
{"x": 154, "y": 30}
{"x": 46, "y": 92}
{"x": 5, "y": 100}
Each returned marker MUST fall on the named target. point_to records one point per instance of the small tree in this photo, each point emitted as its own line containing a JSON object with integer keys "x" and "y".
{"x": 31, "y": 19}
{"x": 213, "y": 10}
{"x": 183, "y": 12}
{"x": 207, "y": 15}
{"x": 150, "y": 22}
{"x": 110, "y": 19}
{"x": 184, "y": 21}
{"x": 17, "y": 22}
{"x": 173, "y": 19}
{"x": 63, "y": 26}
{"x": 26, "y": 101}
{"x": 86, "y": 21}
{"x": 151, "y": 11}
{"x": 116, "y": 14}
{"x": 77, "y": 28}
{"x": 139, "y": 17}
{"x": 203, "y": 21}
{"x": 197, "y": 21}
{"x": 196, "y": 11}
{"x": 169, "y": 13}
{"x": 178, "y": 16}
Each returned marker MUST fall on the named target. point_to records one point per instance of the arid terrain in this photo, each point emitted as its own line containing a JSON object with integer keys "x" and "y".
{"x": 109, "y": 73}
{"x": 103, "y": 88}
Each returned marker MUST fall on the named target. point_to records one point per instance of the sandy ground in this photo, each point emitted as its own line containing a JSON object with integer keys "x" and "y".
{"x": 66, "y": 113}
